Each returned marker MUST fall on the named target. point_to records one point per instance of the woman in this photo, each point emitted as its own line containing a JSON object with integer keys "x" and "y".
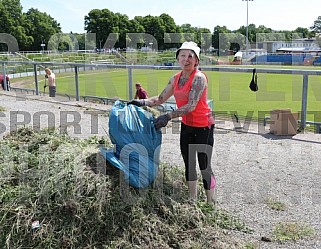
{"x": 189, "y": 88}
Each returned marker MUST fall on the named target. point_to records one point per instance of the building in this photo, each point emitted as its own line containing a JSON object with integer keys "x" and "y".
{"x": 298, "y": 45}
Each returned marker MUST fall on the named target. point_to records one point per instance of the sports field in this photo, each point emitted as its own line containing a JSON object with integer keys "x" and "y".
{"x": 229, "y": 91}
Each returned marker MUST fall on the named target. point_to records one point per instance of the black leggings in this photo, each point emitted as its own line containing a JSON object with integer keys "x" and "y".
{"x": 200, "y": 141}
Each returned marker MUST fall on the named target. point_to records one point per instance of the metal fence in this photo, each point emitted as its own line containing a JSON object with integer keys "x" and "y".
{"x": 76, "y": 67}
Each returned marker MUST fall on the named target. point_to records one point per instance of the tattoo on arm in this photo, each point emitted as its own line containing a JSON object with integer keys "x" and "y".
{"x": 161, "y": 97}
{"x": 196, "y": 92}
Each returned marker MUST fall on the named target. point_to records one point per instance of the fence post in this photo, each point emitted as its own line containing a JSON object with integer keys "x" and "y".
{"x": 130, "y": 83}
{"x": 36, "y": 78}
{"x": 77, "y": 83}
{"x": 5, "y": 86}
{"x": 304, "y": 101}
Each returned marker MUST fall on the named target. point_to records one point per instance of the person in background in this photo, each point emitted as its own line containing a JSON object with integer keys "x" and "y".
{"x": 141, "y": 93}
{"x": 189, "y": 87}
{"x": 2, "y": 82}
{"x": 51, "y": 82}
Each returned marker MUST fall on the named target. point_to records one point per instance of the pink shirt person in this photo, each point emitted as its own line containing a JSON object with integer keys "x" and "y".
{"x": 141, "y": 93}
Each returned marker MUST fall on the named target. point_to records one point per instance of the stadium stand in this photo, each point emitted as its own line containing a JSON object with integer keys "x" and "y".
{"x": 284, "y": 59}
{"x": 317, "y": 61}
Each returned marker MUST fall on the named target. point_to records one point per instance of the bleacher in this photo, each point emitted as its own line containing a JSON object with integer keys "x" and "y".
{"x": 317, "y": 61}
{"x": 284, "y": 59}
{"x": 42, "y": 59}
{"x": 107, "y": 61}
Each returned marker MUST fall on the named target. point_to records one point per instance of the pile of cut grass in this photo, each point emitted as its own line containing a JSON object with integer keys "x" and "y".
{"x": 57, "y": 192}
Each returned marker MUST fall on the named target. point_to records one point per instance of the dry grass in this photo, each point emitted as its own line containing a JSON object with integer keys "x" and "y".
{"x": 80, "y": 202}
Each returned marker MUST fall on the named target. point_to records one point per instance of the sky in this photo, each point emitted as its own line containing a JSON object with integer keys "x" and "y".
{"x": 274, "y": 14}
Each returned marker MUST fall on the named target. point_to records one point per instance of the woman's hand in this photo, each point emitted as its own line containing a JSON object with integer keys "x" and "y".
{"x": 137, "y": 102}
{"x": 162, "y": 121}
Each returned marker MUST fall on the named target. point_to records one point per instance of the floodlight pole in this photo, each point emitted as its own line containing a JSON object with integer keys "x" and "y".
{"x": 100, "y": 45}
{"x": 247, "y": 24}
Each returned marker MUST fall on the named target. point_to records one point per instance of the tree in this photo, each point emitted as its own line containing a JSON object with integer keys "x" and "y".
{"x": 316, "y": 28}
{"x": 188, "y": 32}
{"x": 155, "y": 27}
{"x": 218, "y": 30}
{"x": 171, "y": 39}
{"x": 134, "y": 27}
{"x": 85, "y": 41}
{"x": 40, "y": 26}
{"x": 121, "y": 26}
{"x": 63, "y": 41}
{"x": 11, "y": 22}
{"x": 263, "y": 29}
{"x": 124, "y": 27}
{"x": 252, "y": 30}
{"x": 263, "y": 34}
{"x": 237, "y": 42}
{"x": 112, "y": 28}
{"x": 204, "y": 37}
{"x": 304, "y": 32}
{"x": 102, "y": 23}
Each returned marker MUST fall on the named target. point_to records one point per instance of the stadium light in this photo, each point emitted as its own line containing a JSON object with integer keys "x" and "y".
{"x": 247, "y": 24}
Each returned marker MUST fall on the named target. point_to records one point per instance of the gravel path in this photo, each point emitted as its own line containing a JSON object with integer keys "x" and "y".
{"x": 250, "y": 166}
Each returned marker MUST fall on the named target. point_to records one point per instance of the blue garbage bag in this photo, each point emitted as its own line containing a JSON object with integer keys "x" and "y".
{"x": 136, "y": 142}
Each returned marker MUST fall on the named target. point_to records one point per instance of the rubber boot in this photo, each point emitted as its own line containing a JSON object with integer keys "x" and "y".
{"x": 210, "y": 196}
{"x": 192, "y": 188}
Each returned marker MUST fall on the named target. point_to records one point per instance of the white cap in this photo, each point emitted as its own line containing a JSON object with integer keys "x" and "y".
{"x": 190, "y": 46}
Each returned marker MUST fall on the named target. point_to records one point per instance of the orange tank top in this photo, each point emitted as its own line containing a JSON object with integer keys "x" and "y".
{"x": 202, "y": 114}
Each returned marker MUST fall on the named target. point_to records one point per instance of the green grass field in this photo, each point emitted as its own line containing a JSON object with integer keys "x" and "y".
{"x": 230, "y": 91}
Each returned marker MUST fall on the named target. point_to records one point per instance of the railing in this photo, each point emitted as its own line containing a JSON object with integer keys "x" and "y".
{"x": 23, "y": 90}
{"x": 77, "y": 66}
{"x": 105, "y": 101}
{"x": 33, "y": 91}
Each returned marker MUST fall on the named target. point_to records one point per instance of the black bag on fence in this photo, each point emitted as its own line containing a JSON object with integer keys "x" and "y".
{"x": 253, "y": 84}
